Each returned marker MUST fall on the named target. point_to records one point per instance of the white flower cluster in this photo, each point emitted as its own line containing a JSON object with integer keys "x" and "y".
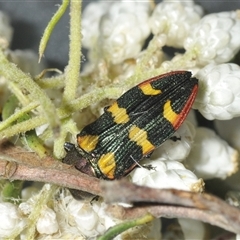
{"x": 175, "y": 19}
{"x": 215, "y": 39}
{"x": 123, "y": 28}
{"x": 166, "y": 174}
{"x": 67, "y": 219}
{"x": 91, "y": 18}
{"x": 219, "y": 91}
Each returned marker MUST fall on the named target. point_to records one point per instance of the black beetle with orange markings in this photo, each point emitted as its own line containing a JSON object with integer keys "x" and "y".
{"x": 133, "y": 126}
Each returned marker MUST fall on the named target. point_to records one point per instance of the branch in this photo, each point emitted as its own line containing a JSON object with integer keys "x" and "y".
{"x": 18, "y": 164}
{"x": 184, "y": 204}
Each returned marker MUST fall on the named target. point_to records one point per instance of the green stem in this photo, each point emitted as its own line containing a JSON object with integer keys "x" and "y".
{"x": 120, "y": 228}
{"x": 69, "y": 126}
{"x": 26, "y": 84}
{"x": 23, "y": 127}
{"x": 48, "y": 31}
{"x": 16, "y": 115}
{"x": 54, "y": 82}
{"x": 30, "y": 139}
{"x": 73, "y": 68}
{"x": 88, "y": 99}
{"x": 23, "y": 99}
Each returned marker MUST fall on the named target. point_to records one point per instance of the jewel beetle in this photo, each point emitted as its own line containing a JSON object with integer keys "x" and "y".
{"x": 133, "y": 126}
